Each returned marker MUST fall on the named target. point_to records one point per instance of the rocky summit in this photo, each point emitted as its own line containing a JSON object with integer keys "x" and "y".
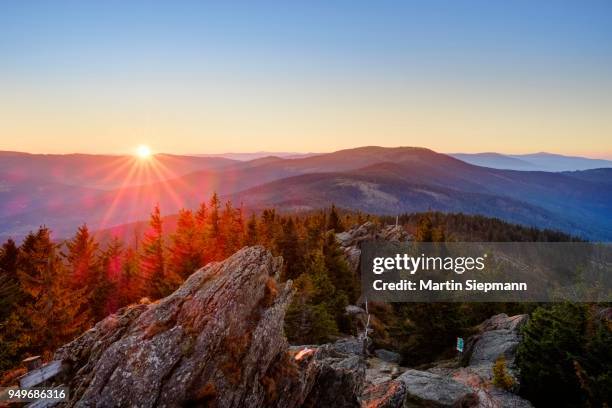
{"x": 217, "y": 341}
{"x": 350, "y": 241}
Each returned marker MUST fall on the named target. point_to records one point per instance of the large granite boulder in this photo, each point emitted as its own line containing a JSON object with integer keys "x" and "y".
{"x": 415, "y": 388}
{"x": 351, "y": 345}
{"x": 217, "y": 341}
{"x": 497, "y": 336}
{"x": 350, "y": 240}
{"x": 447, "y": 384}
{"x": 357, "y": 234}
{"x": 425, "y": 388}
{"x": 389, "y": 356}
{"x": 332, "y": 378}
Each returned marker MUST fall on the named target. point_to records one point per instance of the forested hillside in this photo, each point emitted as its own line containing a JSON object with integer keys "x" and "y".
{"x": 53, "y": 291}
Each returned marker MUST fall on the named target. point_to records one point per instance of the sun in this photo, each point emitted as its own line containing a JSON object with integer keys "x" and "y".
{"x": 143, "y": 152}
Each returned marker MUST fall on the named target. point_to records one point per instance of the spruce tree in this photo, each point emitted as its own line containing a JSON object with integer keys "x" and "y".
{"x": 152, "y": 261}
{"x": 595, "y": 364}
{"x": 104, "y": 295}
{"x": 214, "y": 241}
{"x": 184, "y": 255}
{"x": 424, "y": 231}
{"x": 311, "y": 316}
{"x": 315, "y": 230}
{"x": 215, "y": 205}
{"x": 10, "y": 292}
{"x": 112, "y": 258}
{"x": 268, "y": 228}
{"x": 334, "y": 222}
{"x": 50, "y": 313}
{"x": 553, "y": 340}
{"x": 81, "y": 256}
{"x": 289, "y": 247}
{"x": 251, "y": 236}
{"x": 232, "y": 229}
{"x": 131, "y": 283}
{"x": 85, "y": 271}
{"x": 8, "y": 258}
{"x": 201, "y": 214}
{"x": 341, "y": 275}
{"x": 201, "y": 226}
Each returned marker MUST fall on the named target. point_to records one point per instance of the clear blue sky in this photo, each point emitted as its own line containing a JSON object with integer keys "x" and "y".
{"x": 193, "y": 77}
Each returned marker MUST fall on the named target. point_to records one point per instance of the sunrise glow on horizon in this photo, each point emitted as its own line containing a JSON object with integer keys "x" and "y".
{"x": 143, "y": 152}
{"x": 200, "y": 78}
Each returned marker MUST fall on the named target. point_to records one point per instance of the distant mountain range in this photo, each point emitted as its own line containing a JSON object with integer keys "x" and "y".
{"x": 104, "y": 172}
{"x": 64, "y": 191}
{"x": 258, "y": 155}
{"x": 532, "y": 162}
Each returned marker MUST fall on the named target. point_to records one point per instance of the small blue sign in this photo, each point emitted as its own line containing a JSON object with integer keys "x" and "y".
{"x": 460, "y": 344}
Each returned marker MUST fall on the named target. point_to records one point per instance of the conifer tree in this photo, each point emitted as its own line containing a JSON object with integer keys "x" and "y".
{"x": 131, "y": 282}
{"x": 553, "y": 340}
{"x": 431, "y": 328}
{"x": 215, "y": 205}
{"x": 201, "y": 214}
{"x": 10, "y": 291}
{"x": 238, "y": 228}
{"x": 438, "y": 234}
{"x": 334, "y": 222}
{"x": 201, "y": 227}
{"x": 152, "y": 262}
{"x": 288, "y": 246}
{"x": 85, "y": 271}
{"x": 232, "y": 229}
{"x": 112, "y": 258}
{"x": 595, "y": 364}
{"x": 214, "y": 241}
{"x": 81, "y": 256}
{"x": 104, "y": 295}
{"x": 310, "y": 317}
{"x": 50, "y": 312}
{"x": 315, "y": 230}
{"x": 184, "y": 254}
{"x": 343, "y": 279}
{"x": 14, "y": 340}
{"x": 8, "y": 258}
{"x": 268, "y": 227}
{"x": 251, "y": 235}
{"x": 424, "y": 231}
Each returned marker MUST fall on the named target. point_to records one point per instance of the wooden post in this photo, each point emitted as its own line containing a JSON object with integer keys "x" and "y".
{"x": 365, "y": 332}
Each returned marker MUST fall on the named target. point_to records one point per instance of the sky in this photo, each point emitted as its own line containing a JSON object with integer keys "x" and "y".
{"x": 210, "y": 77}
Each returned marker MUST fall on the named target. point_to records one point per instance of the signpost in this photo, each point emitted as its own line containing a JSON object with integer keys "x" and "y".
{"x": 460, "y": 344}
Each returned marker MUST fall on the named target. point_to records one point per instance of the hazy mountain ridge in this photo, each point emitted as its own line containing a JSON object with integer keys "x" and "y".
{"x": 105, "y": 172}
{"x": 373, "y": 179}
{"x": 532, "y": 162}
{"x": 393, "y": 195}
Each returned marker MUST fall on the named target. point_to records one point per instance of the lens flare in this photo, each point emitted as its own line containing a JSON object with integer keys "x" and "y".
{"x": 144, "y": 152}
